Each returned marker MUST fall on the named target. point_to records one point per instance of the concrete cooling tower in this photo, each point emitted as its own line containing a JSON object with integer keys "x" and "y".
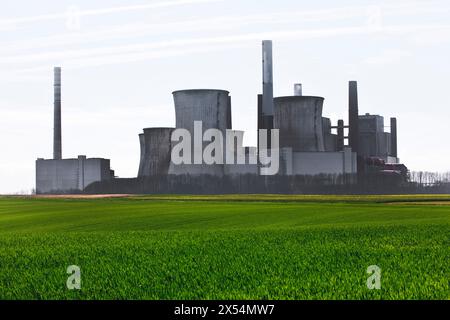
{"x": 299, "y": 119}
{"x": 155, "y": 151}
{"x": 213, "y": 109}
{"x": 209, "y": 106}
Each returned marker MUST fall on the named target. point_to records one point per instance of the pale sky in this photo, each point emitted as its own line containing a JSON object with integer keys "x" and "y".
{"x": 122, "y": 59}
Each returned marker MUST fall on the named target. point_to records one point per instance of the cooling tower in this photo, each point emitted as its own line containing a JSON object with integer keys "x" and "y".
{"x": 299, "y": 119}
{"x": 155, "y": 151}
{"x": 206, "y": 105}
{"x": 57, "y": 144}
{"x": 212, "y": 108}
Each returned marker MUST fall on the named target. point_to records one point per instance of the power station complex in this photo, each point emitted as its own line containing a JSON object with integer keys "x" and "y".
{"x": 309, "y": 143}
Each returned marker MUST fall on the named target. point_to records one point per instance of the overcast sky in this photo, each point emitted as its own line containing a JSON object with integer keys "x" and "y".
{"x": 122, "y": 59}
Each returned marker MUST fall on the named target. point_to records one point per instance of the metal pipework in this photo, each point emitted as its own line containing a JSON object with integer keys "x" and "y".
{"x": 298, "y": 89}
{"x": 57, "y": 143}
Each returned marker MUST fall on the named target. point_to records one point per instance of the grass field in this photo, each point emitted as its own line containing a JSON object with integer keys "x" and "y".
{"x": 225, "y": 247}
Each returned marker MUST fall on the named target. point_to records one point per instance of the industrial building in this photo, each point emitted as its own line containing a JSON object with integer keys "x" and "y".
{"x": 309, "y": 143}
{"x": 60, "y": 175}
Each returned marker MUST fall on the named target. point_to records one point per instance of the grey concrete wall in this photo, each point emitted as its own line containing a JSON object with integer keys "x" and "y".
{"x": 384, "y": 144}
{"x": 70, "y": 175}
{"x": 96, "y": 169}
{"x": 368, "y": 144}
{"x": 349, "y": 160}
{"x": 247, "y": 168}
{"x": 371, "y": 123}
{"x": 286, "y": 159}
{"x": 56, "y": 175}
{"x": 330, "y": 142}
{"x": 373, "y": 141}
{"x": 329, "y": 139}
{"x": 299, "y": 119}
{"x": 313, "y": 163}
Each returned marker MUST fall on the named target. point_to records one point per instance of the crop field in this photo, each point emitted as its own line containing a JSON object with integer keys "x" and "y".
{"x": 225, "y": 247}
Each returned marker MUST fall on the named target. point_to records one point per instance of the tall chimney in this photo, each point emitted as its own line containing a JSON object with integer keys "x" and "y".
{"x": 394, "y": 137}
{"x": 267, "y": 104}
{"x": 57, "y": 145}
{"x": 353, "y": 134}
{"x": 298, "y": 89}
{"x": 265, "y": 101}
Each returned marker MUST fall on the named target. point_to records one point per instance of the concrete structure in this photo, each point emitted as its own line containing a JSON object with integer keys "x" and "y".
{"x": 70, "y": 175}
{"x": 59, "y": 175}
{"x": 298, "y": 91}
{"x": 307, "y": 143}
{"x": 373, "y": 140}
{"x": 207, "y": 105}
{"x": 156, "y": 147}
{"x": 57, "y": 139}
{"x": 366, "y": 134}
{"x": 340, "y": 136}
{"x": 267, "y": 103}
{"x": 229, "y": 118}
{"x": 248, "y": 167}
{"x": 394, "y": 137}
{"x": 299, "y": 119}
{"x": 353, "y": 132}
{"x": 330, "y": 140}
{"x": 315, "y": 163}
{"x": 211, "y": 107}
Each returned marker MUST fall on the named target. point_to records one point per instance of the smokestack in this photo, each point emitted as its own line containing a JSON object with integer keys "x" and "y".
{"x": 267, "y": 104}
{"x": 298, "y": 89}
{"x": 353, "y": 133}
{"x": 265, "y": 101}
{"x": 394, "y": 137}
{"x": 57, "y": 145}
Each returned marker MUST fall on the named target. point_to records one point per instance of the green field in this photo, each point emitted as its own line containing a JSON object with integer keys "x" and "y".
{"x": 225, "y": 247}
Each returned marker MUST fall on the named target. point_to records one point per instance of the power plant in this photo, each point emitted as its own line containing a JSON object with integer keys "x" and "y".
{"x": 60, "y": 175}
{"x": 307, "y": 144}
